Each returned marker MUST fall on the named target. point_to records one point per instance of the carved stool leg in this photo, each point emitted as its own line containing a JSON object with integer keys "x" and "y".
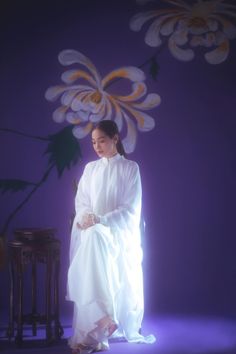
{"x": 19, "y": 335}
{"x": 10, "y": 330}
{"x": 48, "y": 297}
{"x": 34, "y": 299}
{"x": 58, "y": 328}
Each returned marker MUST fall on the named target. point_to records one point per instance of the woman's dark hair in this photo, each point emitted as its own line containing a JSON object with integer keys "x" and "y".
{"x": 110, "y": 128}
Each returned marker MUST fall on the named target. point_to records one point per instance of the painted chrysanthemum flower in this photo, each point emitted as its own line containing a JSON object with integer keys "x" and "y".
{"x": 85, "y": 99}
{"x": 205, "y": 23}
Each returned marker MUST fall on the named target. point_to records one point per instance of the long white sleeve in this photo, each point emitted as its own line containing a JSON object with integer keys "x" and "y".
{"x": 83, "y": 198}
{"x": 127, "y": 214}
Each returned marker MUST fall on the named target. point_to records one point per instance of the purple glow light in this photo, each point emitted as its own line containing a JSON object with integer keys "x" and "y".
{"x": 175, "y": 335}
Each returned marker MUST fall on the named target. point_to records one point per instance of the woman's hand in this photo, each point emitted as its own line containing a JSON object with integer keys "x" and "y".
{"x": 88, "y": 220}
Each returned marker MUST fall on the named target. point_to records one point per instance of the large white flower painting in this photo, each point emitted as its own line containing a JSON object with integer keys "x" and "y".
{"x": 86, "y": 99}
{"x": 190, "y": 24}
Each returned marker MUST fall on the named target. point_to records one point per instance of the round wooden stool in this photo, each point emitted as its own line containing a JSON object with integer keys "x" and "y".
{"x": 29, "y": 248}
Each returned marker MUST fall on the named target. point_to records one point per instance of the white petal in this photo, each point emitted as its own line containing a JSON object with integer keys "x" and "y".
{"x": 97, "y": 112}
{"x": 80, "y": 132}
{"x": 147, "y": 124}
{"x": 109, "y": 110}
{"x": 135, "y": 74}
{"x": 84, "y": 115}
{"x": 230, "y": 31}
{"x": 54, "y": 92}
{"x": 180, "y": 36}
{"x": 178, "y": 53}
{"x": 212, "y": 25}
{"x": 77, "y": 103}
{"x": 220, "y": 37}
{"x": 210, "y": 40}
{"x": 129, "y": 142}
{"x": 119, "y": 122}
{"x": 152, "y": 37}
{"x": 151, "y": 101}
{"x": 119, "y": 119}
{"x": 68, "y": 96}
{"x": 118, "y": 116}
{"x": 131, "y": 73}
{"x": 144, "y": 121}
{"x": 96, "y": 117}
{"x": 140, "y": 18}
{"x": 73, "y": 118}
{"x": 139, "y": 89}
{"x": 70, "y": 76}
{"x": 183, "y": 25}
{"x": 218, "y": 55}
{"x": 168, "y": 27}
{"x": 59, "y": 115}
{"x": 89, "y": 105}
{"x": 197, "y": 41}
{"x": 71, "y": 56}
{"x": 228, "y": 27}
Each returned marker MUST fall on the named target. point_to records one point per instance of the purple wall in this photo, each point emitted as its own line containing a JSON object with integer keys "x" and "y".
{"x": 187, "y": 162}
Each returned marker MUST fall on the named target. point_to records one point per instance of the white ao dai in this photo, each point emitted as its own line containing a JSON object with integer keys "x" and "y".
{"x": 105, "y": 279}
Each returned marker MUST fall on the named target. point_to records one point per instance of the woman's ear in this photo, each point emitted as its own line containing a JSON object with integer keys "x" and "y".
{"x": 116, "y": 138}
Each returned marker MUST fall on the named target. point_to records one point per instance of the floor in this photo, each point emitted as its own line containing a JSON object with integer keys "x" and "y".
{"x": 174, "y": 335}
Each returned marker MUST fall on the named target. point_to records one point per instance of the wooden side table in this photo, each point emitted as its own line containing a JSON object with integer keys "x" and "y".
{"x": 30, "y": 247}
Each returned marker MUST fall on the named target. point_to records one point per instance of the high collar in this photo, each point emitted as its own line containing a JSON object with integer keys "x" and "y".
{"x": 108, "y": 160}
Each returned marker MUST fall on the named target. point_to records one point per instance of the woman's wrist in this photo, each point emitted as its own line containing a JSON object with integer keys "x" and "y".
{"x": 96, "y": 219}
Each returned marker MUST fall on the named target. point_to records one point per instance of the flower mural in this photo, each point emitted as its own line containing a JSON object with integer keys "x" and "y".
{"x": 187, "y": 25}
{"x": 85, "y": 99}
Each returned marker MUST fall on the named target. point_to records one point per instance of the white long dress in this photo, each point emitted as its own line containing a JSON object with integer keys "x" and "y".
{"x": 105, "y": 279}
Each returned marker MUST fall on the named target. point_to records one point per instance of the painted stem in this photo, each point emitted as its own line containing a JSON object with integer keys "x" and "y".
{"x": 24, "y": 134}
{"x": 139, "y": 66}
{"x": 15, "y": 211}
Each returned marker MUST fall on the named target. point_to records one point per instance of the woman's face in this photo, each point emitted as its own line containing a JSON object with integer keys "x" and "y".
{"x": 103, "y": 144}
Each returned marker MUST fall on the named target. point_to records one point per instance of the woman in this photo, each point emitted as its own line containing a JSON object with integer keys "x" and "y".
{"x": 105, "y": 275}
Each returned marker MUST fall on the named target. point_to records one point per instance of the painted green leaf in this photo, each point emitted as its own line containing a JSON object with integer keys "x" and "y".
{"x": 154, "y": 68}
{"x": 63, "y": 149}
{"x": 14, "y": 185}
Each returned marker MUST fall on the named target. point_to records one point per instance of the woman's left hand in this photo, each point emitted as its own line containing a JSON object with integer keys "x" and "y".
{"x": 89, "y": 220}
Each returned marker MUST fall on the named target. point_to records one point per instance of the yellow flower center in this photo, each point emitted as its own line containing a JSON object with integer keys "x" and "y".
{"x": 200, "y": 13}
{"x": 96, "y": 97}
{"x": 197, "y": 22}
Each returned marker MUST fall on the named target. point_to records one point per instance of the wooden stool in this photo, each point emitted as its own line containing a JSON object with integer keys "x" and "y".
{"x": 30, "y": 247}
